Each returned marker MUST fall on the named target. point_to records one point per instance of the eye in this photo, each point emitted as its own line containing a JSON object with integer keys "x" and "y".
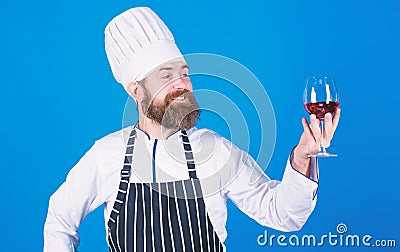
{"x": 166, "y": 77}
{"x": 185, "y": 75}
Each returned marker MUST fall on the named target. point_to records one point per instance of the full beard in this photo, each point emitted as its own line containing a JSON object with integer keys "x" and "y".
{"x": 172, "y": 115}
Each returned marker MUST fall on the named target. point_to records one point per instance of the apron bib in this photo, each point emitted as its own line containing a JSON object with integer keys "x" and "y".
{"x": 165, "y": 216}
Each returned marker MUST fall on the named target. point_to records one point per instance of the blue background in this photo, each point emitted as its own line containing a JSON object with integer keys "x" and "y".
{"x": 58, "y": 96}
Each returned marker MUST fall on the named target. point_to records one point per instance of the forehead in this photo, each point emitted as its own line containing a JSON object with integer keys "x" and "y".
{"x": 174, "y": 65}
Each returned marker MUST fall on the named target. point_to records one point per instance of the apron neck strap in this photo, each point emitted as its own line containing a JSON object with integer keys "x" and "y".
{"x": 126, "y": 170}
{"x": 188, "y": 155}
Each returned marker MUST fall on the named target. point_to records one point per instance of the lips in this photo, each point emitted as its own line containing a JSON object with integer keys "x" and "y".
{"x": 177, "y": 96}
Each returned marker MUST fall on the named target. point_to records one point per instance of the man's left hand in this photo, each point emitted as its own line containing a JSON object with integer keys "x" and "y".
{"x": 312, "y": 139}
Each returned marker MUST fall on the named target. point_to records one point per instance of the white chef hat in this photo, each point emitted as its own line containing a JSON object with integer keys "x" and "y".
{"x": 137, "y": 41}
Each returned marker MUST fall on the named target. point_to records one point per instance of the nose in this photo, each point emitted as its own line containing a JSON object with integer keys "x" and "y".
{"x": 182, "y": 83}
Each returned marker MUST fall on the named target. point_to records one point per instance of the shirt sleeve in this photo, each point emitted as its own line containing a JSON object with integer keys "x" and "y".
{"x": 282, "y": 205}
{"x": 68, "y": 206}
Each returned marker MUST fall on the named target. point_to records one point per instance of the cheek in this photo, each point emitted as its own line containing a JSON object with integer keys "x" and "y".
{"x": 158, "y": 92}
{"x": 189, "y": 85}
{"x": 161, "y": 94}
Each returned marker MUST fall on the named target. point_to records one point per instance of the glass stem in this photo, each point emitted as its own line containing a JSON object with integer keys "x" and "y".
{"x": 323, "y": 150}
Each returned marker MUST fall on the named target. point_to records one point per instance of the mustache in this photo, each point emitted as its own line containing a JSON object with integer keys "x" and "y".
{"x": 180, "y": 115}
{"x": 171, "y": 96}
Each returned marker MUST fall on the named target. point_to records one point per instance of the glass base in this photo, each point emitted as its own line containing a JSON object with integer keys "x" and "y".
{"x": 323, "y": 154}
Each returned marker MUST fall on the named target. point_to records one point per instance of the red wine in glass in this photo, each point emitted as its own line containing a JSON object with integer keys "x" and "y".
{"x": 319, "y": 109}
{"x": 320, "y": 97}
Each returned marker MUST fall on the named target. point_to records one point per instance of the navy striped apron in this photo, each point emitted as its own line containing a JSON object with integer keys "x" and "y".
{"x": 167, "y": 216}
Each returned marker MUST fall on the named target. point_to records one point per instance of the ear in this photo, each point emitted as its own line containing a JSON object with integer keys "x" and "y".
{"x": 133, "y": 90}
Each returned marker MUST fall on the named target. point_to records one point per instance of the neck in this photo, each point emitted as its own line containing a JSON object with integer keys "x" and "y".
{"x": 154, "y": 130}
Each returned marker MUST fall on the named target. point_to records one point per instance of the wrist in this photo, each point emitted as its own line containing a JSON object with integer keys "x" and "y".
{"x": 300, "y": 161}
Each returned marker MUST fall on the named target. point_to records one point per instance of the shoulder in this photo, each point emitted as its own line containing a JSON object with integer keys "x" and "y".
{"x": 115, "y": 139}
{"x": 204, "y": 135}
{"x": 210, "y": 139}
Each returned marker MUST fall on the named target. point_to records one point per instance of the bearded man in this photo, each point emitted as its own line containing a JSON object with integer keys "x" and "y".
{"x": 165, "y": 183}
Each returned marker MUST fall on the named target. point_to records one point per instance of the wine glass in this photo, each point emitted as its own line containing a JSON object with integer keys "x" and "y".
{"x": 320, "y": 97}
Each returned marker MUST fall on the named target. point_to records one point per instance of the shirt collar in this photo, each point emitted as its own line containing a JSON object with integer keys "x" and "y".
{"x": 147, "y": 137}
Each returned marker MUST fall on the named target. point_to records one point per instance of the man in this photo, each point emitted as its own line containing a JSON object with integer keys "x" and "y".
{"x": 164, "y": 182}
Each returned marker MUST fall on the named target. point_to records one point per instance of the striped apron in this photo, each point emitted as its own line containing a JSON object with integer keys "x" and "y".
{"x": 165, "y": 216}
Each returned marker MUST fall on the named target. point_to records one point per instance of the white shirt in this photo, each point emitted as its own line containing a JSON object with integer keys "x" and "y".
{"x": 224, "y": 172}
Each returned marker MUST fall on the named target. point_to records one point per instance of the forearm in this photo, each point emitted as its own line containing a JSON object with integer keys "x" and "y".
{"x": 297, "y": 195}
{"x": 59, "y": 234}
{"x": 282, "y": 205}
{"x": 68, "y": 206}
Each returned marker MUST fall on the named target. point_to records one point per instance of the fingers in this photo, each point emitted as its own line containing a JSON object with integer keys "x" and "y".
{"x": 306, "y": 127}
{"x": 330, "y": 127}
{"x": 328, "y": 122}
{"x": 308, "y": 141}
{"x": 314, "y": 126}
{"x": 336, "y": 119}
{"x": 328, "y": 133}
{"x": 312, "y": 130}
{"x": 312, "y": 136}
